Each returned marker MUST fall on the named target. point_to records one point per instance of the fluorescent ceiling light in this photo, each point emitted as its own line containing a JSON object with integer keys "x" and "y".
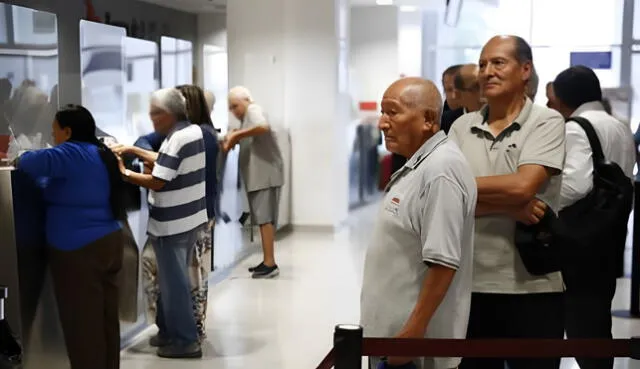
{"x": 384, "y": 2}
{"x": 408, "y": 8}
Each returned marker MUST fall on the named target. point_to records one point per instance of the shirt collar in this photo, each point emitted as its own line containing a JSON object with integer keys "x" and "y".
{"x": 178, "y": 126}
{"x": 426, "y": 149}
{"x": 522, "y": 117}
{"x": 590, "y": 106}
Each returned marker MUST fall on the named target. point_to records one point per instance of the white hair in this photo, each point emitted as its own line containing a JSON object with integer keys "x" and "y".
{"x": 211, "y": 99}
{"x": 240, "y": 93}
{"x": 170, "y": 100}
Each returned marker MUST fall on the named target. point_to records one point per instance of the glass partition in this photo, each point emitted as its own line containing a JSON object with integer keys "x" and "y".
{"x": 177, "y": 61}
{"x": 143, "y": 77}
{"x": 102, "y": 50}
{"x": 216, "y": 80}
{"x": 28, "y": 78}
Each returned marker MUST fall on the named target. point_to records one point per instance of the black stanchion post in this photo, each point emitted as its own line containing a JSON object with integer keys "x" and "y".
{"x": 3, "y": 296}
{"x": 634, "y": 311}
{"x": 347, "y": 345}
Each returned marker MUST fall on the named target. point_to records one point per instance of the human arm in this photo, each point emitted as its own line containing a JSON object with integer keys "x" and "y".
{"x": 577, "y": 175}
{"x": 145, "y": 180}
{"x": 53, "y": 162}
{"x": 541, "y": 157}
{"x": 146, "y": 156}
{"x": 443, "y": 218}
{"x": 255, "y": 125}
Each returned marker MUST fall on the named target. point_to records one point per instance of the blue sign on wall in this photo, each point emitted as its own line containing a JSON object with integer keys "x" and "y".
{"x": 593, "y": 60}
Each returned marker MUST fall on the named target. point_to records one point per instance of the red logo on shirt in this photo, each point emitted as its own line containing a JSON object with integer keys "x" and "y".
{"x": 395, "y": 200}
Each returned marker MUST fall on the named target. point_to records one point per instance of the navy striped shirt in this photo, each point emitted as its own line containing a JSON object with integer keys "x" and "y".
{"x": 180, "y": 206}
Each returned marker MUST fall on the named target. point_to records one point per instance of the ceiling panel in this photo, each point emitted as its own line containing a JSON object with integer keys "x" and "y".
{"x": 193, "y": 6}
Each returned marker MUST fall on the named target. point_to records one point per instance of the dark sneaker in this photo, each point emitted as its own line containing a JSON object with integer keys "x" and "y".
{"x": 253, "y": 269}
{"x": 192, "y": 351}
{"x": 158, "y": 341}
{"x": 266, "y": 272}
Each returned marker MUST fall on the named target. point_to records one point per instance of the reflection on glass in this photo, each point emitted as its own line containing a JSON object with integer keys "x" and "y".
{"x": 177, "y": 61}
{"x": 216, "y": 80}
{"x": 141, "y": 63}
{"x": 635, "y": 82}
{"x": 103, "y": 76}
{"x": 28, "y": 78}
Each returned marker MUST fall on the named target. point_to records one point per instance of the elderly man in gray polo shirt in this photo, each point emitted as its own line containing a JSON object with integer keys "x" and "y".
{"x": 418, "y": 268}
{"x": 516, "y": 150}
{"x": 262, "y": 171}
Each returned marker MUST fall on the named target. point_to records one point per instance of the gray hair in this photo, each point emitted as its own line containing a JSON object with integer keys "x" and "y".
{"x": 211, "y": 99}
{"x": 170, "y": 100}
{"x": 523, "y": 51}
{"x": 240, "y": 93}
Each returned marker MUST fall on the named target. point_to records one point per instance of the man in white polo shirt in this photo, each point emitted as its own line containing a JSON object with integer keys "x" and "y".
{"x": 177, "y": 213}
{"x": 418, "y": 268}
{"x": 516, "y": 150}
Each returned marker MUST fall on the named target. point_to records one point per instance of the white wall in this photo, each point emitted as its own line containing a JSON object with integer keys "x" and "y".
{"x": 374, "y": 58}
{"x": 288, "y": 53}
{"x": 410, "y": 42}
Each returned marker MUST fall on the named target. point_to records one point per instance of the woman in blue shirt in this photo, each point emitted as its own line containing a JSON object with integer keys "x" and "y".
{"x": 82, "y": 185}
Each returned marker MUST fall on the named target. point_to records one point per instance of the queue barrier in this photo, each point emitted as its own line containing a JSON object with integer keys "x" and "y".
{"x": 349, "y": 347}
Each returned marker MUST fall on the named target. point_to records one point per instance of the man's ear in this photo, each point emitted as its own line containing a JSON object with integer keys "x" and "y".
{"x": 528, "y": 71}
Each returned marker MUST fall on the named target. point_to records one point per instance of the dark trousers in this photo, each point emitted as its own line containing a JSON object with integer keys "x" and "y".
{"x": 515, "y": 316}
{"x": 85, "y": 283}
{"x": 588, "y": 314}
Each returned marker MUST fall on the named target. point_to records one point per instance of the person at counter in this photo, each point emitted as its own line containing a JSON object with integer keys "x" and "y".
{"x": 262, "y": 169}
{"x": 82, "y": 184}
{"x": 177, "y": 217}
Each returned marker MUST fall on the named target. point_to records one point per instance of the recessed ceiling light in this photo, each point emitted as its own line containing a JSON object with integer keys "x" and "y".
{"x": 384, "y": 2}
{"x": 408, "y": 8}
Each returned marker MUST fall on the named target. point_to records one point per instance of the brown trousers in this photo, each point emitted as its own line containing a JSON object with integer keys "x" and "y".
{"x": 85, "y": 283}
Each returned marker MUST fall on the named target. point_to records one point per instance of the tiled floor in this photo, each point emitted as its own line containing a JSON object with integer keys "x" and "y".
{"x": 288, "y": 323}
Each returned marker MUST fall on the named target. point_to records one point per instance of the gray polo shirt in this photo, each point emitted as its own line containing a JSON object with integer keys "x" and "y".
{"x": 427, "y": 217}
{"x": 535, "y": 137}
{"x": 260, "y": 158}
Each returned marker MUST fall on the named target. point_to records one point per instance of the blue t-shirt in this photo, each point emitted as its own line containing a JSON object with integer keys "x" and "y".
{"x": 76, "y": 191}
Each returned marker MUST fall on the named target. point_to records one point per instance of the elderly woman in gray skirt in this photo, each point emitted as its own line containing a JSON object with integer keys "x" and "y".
{"x": 261, "y": 166}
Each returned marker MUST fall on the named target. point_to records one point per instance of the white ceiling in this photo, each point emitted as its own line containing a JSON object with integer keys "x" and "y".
{"x": 208, "y": 6}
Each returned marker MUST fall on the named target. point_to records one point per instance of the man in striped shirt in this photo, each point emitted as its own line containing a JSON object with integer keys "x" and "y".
{"x": 177, "y": 212}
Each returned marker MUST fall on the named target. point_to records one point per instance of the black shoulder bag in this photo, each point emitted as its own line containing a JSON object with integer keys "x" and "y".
{"x": 593, "y": 230}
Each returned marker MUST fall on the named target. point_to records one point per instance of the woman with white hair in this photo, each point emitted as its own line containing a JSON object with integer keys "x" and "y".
{"x": 261, "y": 167}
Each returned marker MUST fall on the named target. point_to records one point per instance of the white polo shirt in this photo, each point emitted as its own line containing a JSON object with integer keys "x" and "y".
{"x": 427, "y": 217}
{"x": 617, "y": 144}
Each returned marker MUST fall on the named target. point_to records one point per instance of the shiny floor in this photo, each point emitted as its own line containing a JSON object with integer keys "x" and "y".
{"x": 287, "y": 323}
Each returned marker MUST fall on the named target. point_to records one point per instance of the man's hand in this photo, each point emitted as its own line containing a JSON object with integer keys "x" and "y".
{"x": 120, "y": 149}
{"x": 121, "y": 164}
{"x": 408, "y": 331}
{"x": 531, "y": 213}
{"x": 230, "y": 141}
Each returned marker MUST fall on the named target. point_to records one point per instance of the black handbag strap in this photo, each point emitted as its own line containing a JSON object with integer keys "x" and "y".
{"x": 594, "y": 141}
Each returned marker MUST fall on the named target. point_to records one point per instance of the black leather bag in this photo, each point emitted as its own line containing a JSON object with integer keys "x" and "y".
{"x": 593, "y": 230}
{"x": 536, "y": 246}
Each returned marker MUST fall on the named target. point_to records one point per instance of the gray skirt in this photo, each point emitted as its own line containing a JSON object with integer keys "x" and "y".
{"x": 264, "y": 206}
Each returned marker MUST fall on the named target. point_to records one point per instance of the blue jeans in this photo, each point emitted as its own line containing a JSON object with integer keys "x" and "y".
{"x": 175, "y": 311}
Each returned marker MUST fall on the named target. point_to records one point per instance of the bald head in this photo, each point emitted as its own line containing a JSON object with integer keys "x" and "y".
{"x": 411, "y": 109}
{"x": 417, "y": 94}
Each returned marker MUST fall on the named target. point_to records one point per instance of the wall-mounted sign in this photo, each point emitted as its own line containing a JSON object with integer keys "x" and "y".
{"x": 593, "y": 60}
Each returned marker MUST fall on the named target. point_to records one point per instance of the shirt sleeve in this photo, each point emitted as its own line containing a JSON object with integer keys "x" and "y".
{"x": 255, "y": 117}
{"x": 168, "y": 162}
{"x": 52, "y": 163}
{"x": 546, "y": 144}
{"x": 442, "y": 224}
{"x": 577, "y": 175}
